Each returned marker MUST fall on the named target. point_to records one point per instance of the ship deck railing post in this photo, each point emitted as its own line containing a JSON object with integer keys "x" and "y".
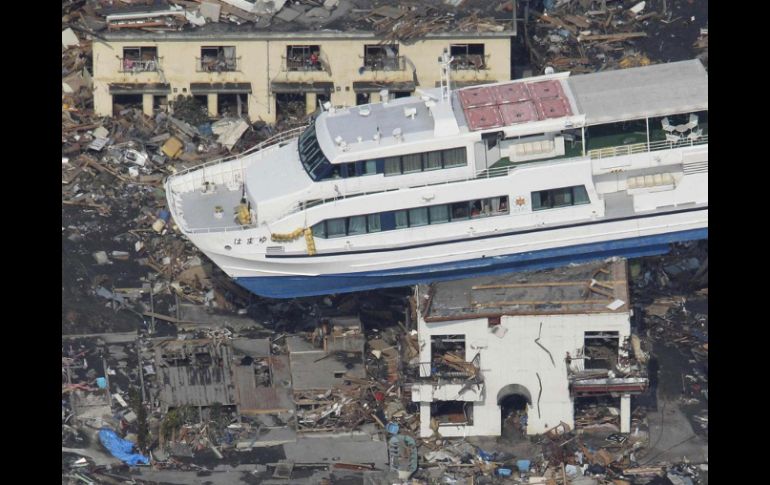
{"x": 647, "y": 123}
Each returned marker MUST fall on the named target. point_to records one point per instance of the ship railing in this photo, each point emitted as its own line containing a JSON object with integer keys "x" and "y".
{"x": 270, "y": 144}
{"x": 644, "y": 147}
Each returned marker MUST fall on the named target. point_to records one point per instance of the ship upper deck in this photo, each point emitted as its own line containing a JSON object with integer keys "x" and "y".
{"x": 528, "y": 106}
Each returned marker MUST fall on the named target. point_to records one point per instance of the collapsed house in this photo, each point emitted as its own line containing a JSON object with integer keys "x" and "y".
{"x": 533, "y": 342}
{"x": 238, "y": 372}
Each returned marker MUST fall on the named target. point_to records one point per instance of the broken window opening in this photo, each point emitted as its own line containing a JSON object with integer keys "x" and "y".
{"x": 231, "y": 104}
{"x": 125, "y": 101}
{"x": 492, "y": 321}
{"x": 600, "y": 350}
{"x": 383, "y": 58}
{"x": 217, "y": 59}
{"x": 140, "y": 59}
{"x": 290, "y": 107}
{"x": 445, "y": 352}
{"x": 362, "y": 98}
{"x": 468, "y": 56}
{"x": 596, "y": 410}
{"x": 303, "y": 58}
{"x": 452, "y": 413}
{"x": 400, "y": 94}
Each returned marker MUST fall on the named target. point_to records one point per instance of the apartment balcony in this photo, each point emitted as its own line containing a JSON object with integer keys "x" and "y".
{"x": 209, "y": 64}
{"x": 384, "y": 63}
{"x": 470, "y": 62}
{"x": 136, "y": 66}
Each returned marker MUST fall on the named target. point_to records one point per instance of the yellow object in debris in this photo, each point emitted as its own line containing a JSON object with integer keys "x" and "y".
{"x": 634, "y": 61}
{"x": 278, "y": 237}
{"x": 244, "y": 215}
{"x": 310, "y": 241}
{"x": 173, "y": 147}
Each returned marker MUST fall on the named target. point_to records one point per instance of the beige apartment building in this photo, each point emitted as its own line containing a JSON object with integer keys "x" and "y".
{"x": 255, "y": 70}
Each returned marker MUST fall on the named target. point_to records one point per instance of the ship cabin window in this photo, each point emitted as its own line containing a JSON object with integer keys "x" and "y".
{"x": 312, "y": 157}
{"x": 416, "y": 217}
{"x": 562, "y": 197}
{"x": 423, "y": 162}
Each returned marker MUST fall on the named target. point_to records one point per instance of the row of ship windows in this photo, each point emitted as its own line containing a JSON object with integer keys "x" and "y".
{"x": 403, "y": 164}
{"x": 439, "y": 214}
{"x": 420, "y": 216}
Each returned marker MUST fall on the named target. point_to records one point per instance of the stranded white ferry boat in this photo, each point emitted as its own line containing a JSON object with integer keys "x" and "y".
{"x": 525, "y": 174}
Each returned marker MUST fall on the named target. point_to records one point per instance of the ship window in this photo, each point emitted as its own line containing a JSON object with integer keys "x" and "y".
{"x": 374, "y": 223}
{"x": 402, "y": 220}
{"x": 310, "y": 154}
{"x": 412, "y": 163}
{"x": 580, "y": 195}
{"x": 319, "y": 230}
{"x": 418, "y": 217}
{"x": 562, "y": 197}
{"x": 476, "y": 209}
{"x": 392, "y": 165}
{"x": 357, "y": 225}
{"x": 454, "y": 157}
{"x": 370, "y": 167}
{"x": 335, "y": 227}
{"x": 432, "y": 160}
{"x": 439, "y": 214}
{"x": 459, "y": 211}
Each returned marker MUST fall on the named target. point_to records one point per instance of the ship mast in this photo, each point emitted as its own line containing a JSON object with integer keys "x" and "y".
{"x": 445, "y": 60}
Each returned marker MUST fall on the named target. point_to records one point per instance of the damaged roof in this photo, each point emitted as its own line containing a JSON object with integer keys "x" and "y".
{"x": 597, "y": 287}
{"x": 405, "y": 20}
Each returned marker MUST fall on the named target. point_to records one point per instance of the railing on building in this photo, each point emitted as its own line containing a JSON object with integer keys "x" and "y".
{"x": 227, "y": 64}
{"x": 384, "y": 63}
{"x": 469, "y": 62}
{"x": 303, "y": 64}
{"x": 135, "y": 66}
{"x": 634, "y": 148}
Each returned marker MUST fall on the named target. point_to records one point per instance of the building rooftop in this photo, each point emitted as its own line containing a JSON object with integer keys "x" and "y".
{"x": 402, "y": 21}
{"x": 597, "y": 287}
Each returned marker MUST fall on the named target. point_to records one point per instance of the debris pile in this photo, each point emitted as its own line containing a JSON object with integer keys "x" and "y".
{"x": 403, "y": 22}
{"x": 584, "y": 36}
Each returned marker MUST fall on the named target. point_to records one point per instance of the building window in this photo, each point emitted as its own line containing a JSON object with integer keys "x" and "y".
{"x": 468, "y": 56}
{"x": 217, "y": 59}
{"x": 383, "y": 58}
{"x": 563, "y": 197}
{"x": 415, "y": 217}
{"x": 140, "y": 59}
{"x": 440, "y": 348}
{"x": 303, "y": 58}
{"x": 601, "y": 350}
{"x": 452, "y": 413}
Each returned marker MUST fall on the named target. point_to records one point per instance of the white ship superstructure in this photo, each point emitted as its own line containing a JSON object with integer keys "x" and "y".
{"x": 522, "y": 174}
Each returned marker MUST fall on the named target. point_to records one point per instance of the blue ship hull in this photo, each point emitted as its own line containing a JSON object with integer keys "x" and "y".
{"x": 297, "y": 286}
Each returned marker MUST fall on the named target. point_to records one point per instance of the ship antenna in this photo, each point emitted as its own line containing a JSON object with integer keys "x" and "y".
{"x": 445, "y": 60}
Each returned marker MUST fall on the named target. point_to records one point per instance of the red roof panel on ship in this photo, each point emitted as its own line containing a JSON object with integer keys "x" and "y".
{"x": 472, "y": 98}
{"x": 545, "y": 89}
{"x": 518, "y": 112}
{"x": 483, "y": 117}
{"x": 554, "y": 108}
{"x": 511, "y": 93}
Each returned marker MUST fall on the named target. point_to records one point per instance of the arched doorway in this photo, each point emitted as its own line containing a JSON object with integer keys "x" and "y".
{"x": 513, "y": 400}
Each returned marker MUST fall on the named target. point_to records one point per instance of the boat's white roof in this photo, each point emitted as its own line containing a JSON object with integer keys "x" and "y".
{"x": 596, "y": 98}
{"x": 627, "y": 94}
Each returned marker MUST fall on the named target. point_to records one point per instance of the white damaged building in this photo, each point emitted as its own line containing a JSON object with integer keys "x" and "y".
{"x": 535, "y": 340}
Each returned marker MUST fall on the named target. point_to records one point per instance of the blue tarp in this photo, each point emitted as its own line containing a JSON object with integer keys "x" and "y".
{"x": 120, "y": 448}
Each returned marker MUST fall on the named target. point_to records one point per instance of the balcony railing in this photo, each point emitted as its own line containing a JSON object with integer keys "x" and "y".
{"x": 470, "y": 62}
{"x": 384, "y": 63}
{"x": 299, "y": 63}
{"x": 231, "y": 64}
{"x": 135, "y": 66}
